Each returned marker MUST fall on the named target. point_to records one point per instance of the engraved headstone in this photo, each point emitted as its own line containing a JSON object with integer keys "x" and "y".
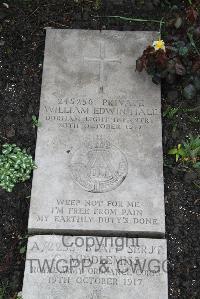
{"x": 60, "y": 267}
{"x": 99, "y": 150}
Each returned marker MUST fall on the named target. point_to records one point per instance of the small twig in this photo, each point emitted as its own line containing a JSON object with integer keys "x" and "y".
{"x": 190, "y": 109}
{"x": 161, "y": 23}
{"x": 131, "y": 19}
{"x": 33, "y": 12}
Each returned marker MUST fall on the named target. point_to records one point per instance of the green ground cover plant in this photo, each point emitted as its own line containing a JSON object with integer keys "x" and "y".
{"x": 188, "y": 153}
{"x": 15, "y": 166}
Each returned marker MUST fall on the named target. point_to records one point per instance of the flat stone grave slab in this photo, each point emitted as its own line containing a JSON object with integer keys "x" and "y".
{"x": 60, "y": 267}
{"x": 99, "y": 149}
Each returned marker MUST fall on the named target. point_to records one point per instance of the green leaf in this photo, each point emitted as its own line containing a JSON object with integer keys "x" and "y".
{"x": 173, "y": 151}
{"x": 189, "y": 92}
{"x": 181, "y": 152}
{"x": 22, "y": 250}
{"x": 183, "y": 51}
{"x": 177, "y": 157}
{"x": 15, "y": 166}
{"x": 197, "y": 165}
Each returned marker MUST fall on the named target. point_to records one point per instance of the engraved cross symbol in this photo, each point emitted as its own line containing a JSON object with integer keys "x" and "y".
{"x": 101, "y": 60}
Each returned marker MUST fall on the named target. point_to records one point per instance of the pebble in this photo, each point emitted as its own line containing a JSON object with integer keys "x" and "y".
{"x": 10, "y": 132}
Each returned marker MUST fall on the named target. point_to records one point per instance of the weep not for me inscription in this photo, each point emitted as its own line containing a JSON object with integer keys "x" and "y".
{"x": 99, "y": 150}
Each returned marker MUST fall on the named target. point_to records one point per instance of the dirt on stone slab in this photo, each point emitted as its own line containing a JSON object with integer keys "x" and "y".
{"x": 22, "y": 28}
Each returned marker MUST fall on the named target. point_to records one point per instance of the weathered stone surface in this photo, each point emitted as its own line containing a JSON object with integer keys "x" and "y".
{"x": 95, "y": 268}
{"x": 99, "y": 150}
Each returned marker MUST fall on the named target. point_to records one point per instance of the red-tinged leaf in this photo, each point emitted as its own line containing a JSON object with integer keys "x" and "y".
{"x": 142, "y": 62}
{"x": 192, "y": 15}
{"x": 149, "y": 50}
{"x": 161, "y": 58}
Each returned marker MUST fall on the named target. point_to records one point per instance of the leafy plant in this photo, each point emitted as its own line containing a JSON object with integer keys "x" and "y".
{"x": 194, "y": 119}
{"x": 178, "y": 152}
{"x": 15, "y": 166}
{"x": 19, "y": 297}
{"x": 170, "y": 112}
{"x": 189, "y": 152}
{"x": 35, "y": 122}
{"x": 22, "y": 244}
{"x": 178, "y": 60}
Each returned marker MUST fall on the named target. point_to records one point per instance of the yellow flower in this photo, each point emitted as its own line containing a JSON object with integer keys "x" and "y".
{"x": 159, "y": 44}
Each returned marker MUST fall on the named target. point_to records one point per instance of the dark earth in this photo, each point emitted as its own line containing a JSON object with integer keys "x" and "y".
{"x": 22, "y": 28}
